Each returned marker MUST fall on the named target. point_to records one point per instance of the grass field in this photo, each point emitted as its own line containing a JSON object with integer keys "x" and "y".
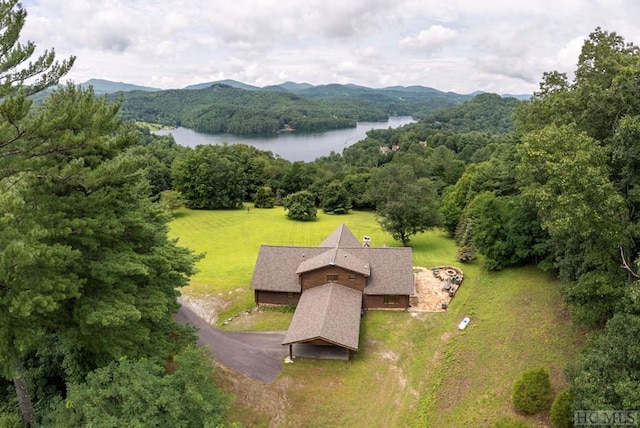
{"x": 411, "y": 369}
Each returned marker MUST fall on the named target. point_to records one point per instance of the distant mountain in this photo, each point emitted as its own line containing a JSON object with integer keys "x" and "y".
{"x": 289, "y": 87}
{"x": 414, "y": 89}
{"x": 101, "y": 86}
{"x": 522, "y": 97}
{"x": 307, "y": 90}
{"x": 229, "y": 82}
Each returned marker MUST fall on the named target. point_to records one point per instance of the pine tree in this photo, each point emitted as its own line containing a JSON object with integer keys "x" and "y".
{"x": 84, "y": 252}
{"x": 22, "y": 75}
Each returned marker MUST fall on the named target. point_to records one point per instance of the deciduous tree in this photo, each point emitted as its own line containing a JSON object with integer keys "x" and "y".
{"x": 140, "y": 392}
{"x": 210, "y": 180}
{"x": 405, "y": 205}
{"x": 300, "y": 206}
{"x": 335, "y": 199}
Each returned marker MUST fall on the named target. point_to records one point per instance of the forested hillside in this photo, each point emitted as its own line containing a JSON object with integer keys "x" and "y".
{"x": 223, "y": 108}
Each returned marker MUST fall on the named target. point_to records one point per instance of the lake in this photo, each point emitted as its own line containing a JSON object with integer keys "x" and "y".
{"x": 290, "y": 145}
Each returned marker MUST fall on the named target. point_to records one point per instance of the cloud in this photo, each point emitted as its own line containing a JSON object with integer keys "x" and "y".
{"x": 451, "y": 45}
{"x": 431, "y": 39}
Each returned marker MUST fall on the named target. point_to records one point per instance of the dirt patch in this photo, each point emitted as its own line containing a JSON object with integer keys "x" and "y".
{"x": 206, "y": 306}
{"x": 434, "y": 288}
{"x": 257, "y": 398}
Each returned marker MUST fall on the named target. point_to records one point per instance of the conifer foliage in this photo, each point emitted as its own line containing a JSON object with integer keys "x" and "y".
{"x": 85, "y": 261}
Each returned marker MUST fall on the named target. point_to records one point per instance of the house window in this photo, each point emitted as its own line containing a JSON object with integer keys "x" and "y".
{"x": 352, "y": 277}
{"x": 391, "y": 299}
{"x": 332, "y": 278}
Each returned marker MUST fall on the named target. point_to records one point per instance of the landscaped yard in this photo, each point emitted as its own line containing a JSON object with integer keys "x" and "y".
{"x": 412, "y": 369}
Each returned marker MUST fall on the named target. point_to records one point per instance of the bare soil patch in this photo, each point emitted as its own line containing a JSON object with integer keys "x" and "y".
{"x": 264, "y": 403}
{"x": 435, "y": 287}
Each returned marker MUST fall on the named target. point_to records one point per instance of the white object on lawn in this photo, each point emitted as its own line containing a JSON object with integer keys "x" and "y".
{"x": 463, "y": 323}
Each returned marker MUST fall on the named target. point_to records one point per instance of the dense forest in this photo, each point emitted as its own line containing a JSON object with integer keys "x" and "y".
{"x": 223, "y": 108}
{"x": 88, "y": 277}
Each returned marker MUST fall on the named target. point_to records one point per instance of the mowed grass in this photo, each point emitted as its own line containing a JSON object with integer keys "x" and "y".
{"x": 412, "y": 369}
{"x": 230, "y": 241}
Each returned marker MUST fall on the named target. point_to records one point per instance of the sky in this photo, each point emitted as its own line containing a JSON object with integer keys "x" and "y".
{"x": 461, "y": 46}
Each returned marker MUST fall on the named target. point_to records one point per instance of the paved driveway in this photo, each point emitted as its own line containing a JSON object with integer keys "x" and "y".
{"x": 258, "y": 355}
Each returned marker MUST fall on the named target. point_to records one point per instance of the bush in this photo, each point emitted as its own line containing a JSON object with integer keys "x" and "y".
{"x": 532, "y": 392}
{"x": 300, "y": 206}
{"x": 561, "y": 413}
{"x": 264, "y": 198}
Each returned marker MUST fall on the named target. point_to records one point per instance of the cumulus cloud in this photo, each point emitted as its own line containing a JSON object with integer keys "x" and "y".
{"x": 430, "y": 39}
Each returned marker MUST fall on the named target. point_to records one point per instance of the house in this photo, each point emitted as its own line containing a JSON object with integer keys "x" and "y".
{"x": 331, "y": 284}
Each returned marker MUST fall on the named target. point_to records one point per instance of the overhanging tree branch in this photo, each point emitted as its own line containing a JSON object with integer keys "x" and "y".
{"x": 626, "y": 266}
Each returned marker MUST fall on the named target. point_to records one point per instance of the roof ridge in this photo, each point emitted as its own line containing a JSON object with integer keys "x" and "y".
{"x": 332, "y": 262}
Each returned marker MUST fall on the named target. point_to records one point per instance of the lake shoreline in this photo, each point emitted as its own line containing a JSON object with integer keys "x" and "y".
{"x": 293, "y": 146}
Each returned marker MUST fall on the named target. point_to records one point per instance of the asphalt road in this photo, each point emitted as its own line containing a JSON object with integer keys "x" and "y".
{"x": 258, "y": 355}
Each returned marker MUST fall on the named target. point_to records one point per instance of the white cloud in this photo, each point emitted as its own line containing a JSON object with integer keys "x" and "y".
{"x": 451, "y": 45}
{"x": 431, "y": 39}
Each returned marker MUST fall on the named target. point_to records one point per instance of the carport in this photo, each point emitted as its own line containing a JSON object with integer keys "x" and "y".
{"x": 326, "y": 322}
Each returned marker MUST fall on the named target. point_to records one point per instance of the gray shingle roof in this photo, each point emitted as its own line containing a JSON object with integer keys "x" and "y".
{"x": 390, "y": 270}
{"x": 335, "y": 257}
{"x": 330, "y": 312}
{"x": 341, "y": 237}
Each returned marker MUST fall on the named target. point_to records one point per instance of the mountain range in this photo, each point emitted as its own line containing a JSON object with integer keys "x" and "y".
{"x": 101, "y": 87}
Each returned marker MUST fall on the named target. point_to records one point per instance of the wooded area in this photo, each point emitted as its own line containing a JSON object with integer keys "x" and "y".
{"x": 88, "y": 277}
{"x": 221, "y": 108}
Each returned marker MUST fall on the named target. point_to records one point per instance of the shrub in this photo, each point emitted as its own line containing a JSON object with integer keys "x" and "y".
{"x": 532, "y": 392}
{"x": 561, "y": 413}
{"x": 300, "y": 206}
{"x": 264, "y": 198}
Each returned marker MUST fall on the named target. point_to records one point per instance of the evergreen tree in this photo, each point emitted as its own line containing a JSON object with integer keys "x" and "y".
{"x": 84, "y": 252}
{"x": 20, "y": 255}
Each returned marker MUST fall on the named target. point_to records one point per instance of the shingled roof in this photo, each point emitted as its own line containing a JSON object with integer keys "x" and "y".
{"x": 335, "y": 257}
{"x": 330, "y": 313}
{"x": 341, "y": 237}
{"x": 389, "y": 269}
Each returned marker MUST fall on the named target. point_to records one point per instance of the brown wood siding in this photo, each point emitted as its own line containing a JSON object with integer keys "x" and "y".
{"x": 276, "y": 298}
{"x": 377, "y": 302}
{"x": 319, "y": 277}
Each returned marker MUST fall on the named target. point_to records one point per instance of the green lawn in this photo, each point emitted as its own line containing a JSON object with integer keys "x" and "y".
{"x": 231, "y": 239}
{"x": 410, "y": 370}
